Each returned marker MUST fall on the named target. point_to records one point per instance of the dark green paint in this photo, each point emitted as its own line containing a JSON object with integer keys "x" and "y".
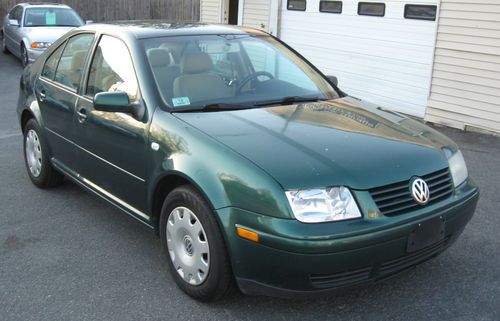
{"x": 112, "y": 102}
{"x": 243, "y": 161}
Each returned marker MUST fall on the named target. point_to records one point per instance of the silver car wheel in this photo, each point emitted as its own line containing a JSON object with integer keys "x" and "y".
{"x": 188, "y": 245}
{"x": 33, "y": 150}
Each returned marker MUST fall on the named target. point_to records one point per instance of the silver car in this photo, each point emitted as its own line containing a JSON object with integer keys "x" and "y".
{"x": 29, "y": 29}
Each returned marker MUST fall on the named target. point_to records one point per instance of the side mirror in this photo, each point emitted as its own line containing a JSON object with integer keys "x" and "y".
{"x": 89, "y": 22}
{"x": 333, "y": 80}
{"x": 13, "y": 23}
{"x": 113, "y": 102}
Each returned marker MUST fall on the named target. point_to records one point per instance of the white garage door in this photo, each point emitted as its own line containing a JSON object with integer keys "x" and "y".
{"x": 384, "y": 59}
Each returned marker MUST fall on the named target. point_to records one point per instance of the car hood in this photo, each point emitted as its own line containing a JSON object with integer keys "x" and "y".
{"x": 341, "y": 142}
{"x": 46, "y": 34}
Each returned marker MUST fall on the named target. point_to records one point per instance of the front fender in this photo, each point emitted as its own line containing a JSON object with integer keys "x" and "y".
{"x": 226, "y": 178}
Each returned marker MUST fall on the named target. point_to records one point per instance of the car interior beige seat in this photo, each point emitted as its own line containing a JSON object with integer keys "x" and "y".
{"x": 77, "y": 62}
{"x": 196, "y": 81}
{"x": 163, "y": 71}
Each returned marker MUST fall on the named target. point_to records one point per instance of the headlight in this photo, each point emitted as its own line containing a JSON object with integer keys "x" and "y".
{"x": 323, "y": 205}
{"x": 458, "y": 168}
{"x": 40, "y": 45}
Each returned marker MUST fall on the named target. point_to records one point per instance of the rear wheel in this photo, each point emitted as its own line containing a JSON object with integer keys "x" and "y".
{"x": 24, "y": 56}
{"x": 197, "y": 255}
{"x": 36, "y": 158}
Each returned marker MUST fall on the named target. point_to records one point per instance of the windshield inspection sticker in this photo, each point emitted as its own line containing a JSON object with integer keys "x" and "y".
{"x": 181, "y": 101}
{"x": 50, "y": 18}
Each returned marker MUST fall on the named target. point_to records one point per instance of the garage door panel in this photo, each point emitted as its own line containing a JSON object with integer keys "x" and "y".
{"x": 387, "y": 60}
{"x": 311, "y": 43}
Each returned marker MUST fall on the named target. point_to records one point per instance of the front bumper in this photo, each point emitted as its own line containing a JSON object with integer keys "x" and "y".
{"x": 33, "y": 54}
{"x": 292, "y": 258}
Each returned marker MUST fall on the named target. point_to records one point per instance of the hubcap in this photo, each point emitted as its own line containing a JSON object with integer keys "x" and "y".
{"x": 33, "y": 151}
{"x": 188, "y": 245}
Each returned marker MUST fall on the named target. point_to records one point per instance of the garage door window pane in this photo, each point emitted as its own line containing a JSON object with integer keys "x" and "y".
{"x": 330, "y": 6}
{"x": 371, "y": 9}
{"x": 299, "y": 5}
{"x": 420, "y": 12}
{"x": 70, "y": 67}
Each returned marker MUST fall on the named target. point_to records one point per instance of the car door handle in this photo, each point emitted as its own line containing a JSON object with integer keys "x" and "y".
{"x": 43, "y": 95}
{"x": 82, "y": 115}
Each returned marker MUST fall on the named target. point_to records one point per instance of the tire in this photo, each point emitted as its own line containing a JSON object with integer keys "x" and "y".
{"x": 4, "y": 46}
{"x": 184, "y": 234}
{"x": 36, "y": 158}
{"x": 24, "y": 56}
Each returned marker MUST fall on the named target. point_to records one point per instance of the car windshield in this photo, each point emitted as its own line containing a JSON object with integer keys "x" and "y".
{"x": 231, "y": 71}
{"x": 51, "y": 17}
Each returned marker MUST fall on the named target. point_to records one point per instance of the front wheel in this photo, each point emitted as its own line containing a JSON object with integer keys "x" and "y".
{"x": 24, "y": 56}
{"x": 197, "y": 255}
{"x": 4, "y": 44}
{"x": 36, "y": 158}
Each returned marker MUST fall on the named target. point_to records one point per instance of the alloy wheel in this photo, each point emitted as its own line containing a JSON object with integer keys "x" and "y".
{"x": 188, "y": 245}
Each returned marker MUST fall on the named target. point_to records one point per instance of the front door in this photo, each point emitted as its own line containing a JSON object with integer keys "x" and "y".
{"x": 12, "y": 33}
{"x": 56, "y": 90}
{"x": 112, "y": 157}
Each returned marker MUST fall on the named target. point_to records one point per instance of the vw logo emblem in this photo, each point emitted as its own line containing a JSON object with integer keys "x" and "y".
{"x": 188, "y": 245}
{"x": 420, "y": 191}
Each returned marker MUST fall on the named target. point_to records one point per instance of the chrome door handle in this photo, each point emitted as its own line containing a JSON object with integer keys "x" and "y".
{"x": 42, "y": 95}
{"x": 82, "y": 115}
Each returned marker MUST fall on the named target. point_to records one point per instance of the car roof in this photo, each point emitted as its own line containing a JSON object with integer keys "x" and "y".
{"x": 159, "y": 28}
{"x": 43, "y": 4}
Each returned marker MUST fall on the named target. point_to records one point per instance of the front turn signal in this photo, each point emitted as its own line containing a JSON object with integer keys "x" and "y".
{"x": 247, "y": 234}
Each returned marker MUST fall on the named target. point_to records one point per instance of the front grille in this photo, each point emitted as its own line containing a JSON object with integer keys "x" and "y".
{"x": 340, "y": 279}
{"x": 378, "y": 270}
{"x": 396, "y": 199}
{"x": 395, "y": 266}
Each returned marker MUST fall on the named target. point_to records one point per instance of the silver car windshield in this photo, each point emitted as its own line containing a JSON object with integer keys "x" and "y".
{"x": 51, "y": 17}
{"x": 231, "y": 71}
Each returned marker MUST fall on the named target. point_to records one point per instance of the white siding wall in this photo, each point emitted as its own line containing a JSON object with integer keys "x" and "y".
{"x": 466, "y": 77}
{"x": 386, "y": 60}
{"x": 210, "y": 11}
{"x": 256, "y": 13}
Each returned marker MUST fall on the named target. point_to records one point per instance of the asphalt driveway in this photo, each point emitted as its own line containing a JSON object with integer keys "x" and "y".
{"x": 67, "y": 255}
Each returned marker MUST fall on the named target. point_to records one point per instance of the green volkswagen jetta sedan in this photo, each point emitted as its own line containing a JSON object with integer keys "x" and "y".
{"x": 253, "y": 168}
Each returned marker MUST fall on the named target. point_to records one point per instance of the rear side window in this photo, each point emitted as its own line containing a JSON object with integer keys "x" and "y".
{"x": 420, "y": 12}
{"x": 49, "y": 69}
{"x": 70, "y": 66}
{"x": 371, "y": 9}
{"x": 299, "y": 5}
{"x": 330, "y": 6}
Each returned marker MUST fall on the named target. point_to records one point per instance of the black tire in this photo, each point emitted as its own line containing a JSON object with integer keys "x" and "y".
{"x": 219, "y": 281}
{"x": 48, "y": 176}
{"x": 24, "y": 56}
{"x": 4, "y": 47}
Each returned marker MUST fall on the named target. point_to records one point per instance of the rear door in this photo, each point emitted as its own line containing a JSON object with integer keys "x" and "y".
{"x": 112, "y": 145}
{"x": 56, "y": 90}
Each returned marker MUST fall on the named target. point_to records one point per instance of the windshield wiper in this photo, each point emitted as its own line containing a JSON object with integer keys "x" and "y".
{"x": 215, "y": 107}
{"x": 289, "y": 100}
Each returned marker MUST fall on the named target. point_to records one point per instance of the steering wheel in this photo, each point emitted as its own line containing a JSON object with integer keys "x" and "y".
{"x": 253, "y": 76}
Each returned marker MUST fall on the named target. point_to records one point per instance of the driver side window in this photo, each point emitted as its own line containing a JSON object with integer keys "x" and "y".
{"x": 16, "y": 13}
{"x": 112, "y": 69}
